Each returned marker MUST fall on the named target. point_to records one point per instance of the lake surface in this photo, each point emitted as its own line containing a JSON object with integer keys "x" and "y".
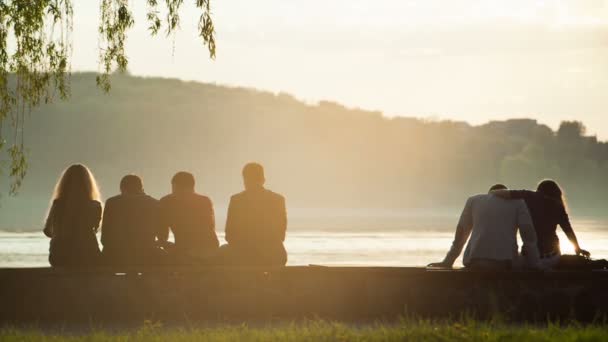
{"x": 347, "y": 238}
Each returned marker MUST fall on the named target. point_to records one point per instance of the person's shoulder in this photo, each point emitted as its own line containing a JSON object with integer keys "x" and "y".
{"x": 554, "y": 206}
{"x": 478, "y": 197}
{"x": 498, "y": 200}
{"x": 167, "y": 198}
{"x": 203, "y": 199}
{"x": 550, "y": 201}
{"x": 151, "y": 199}
{"x": 526, "y": 194}
{"x": 275, "y": 196}
{"x": 113, "y": 199}
{"x": 238, "y": 196}
{"x": 515, "y": 204}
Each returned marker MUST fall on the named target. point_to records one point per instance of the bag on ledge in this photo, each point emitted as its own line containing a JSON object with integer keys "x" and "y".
{"x": 579, "y": 262}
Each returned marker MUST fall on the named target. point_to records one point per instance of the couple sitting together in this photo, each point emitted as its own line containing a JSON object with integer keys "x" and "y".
{"x": 135, "y": 226}
{"x": 492, "y": 220}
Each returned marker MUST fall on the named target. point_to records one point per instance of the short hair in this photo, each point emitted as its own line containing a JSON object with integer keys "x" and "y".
{"x": 131, "y": 184}
{"x": 498, "y": 187}
{"x": 253, "y": 172}
{"x": 183, "y": 180}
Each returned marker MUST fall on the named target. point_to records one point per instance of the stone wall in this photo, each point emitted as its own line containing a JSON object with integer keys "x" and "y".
{"x": 337, "y": 293}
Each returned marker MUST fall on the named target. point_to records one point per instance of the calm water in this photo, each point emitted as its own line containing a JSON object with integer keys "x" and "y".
{"x": 388, "y": 239}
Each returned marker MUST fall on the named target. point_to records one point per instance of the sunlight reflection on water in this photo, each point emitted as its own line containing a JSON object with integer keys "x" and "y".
{"x": 392, "y": 242}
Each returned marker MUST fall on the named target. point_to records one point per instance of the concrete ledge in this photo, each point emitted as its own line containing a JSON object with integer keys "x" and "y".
{"x": 342, "y": 293}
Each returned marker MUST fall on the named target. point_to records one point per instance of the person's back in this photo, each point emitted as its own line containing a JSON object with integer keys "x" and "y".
{"x": 256, "y": 219}
{"x": 494, "y": 231}
{"x": 129, "y": 229}
{"x": 73, "y": 219}
{"x": 548, "y": 210}
{"x": 257, "y": 222}
{"x": 492, "y": 224}
{"x": 192, "y": 222}
{"x": 73, "y": 240}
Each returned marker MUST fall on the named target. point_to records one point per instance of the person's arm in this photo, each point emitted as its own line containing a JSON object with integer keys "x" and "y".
{"x": 107, "y": 225}
{"x": 569, "y": 231}
{"x": 528, "y": 236}
{"x": 163, "y": 222}
{"x": 282, "y": 220}
{"x": 96, "y": 216}
{"x": 48, "y": 226}
{"x": 513, "y": 194}
{"x": 211, "y": 224}
{"x": 506, "y": 194}
{"x": 230, "y": 223}
{"x": 160, "y": 222}
{"x": 463, "y": 231}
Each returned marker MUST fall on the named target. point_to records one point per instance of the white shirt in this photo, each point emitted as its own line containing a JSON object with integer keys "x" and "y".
{"x": 492, "y": 224}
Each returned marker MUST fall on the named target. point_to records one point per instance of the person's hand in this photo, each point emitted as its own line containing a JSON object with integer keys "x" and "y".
{"x": 583, "y": 252}
{"x": 440, "y": 265}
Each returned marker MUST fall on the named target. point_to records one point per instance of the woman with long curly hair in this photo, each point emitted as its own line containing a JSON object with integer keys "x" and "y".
{"x": 73, "y": 219}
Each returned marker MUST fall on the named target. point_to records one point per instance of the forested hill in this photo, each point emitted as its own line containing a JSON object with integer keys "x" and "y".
{"x": 319, "y": 156}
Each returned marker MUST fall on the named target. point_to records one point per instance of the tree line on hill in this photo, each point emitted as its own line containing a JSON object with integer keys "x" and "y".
{"x": 320, "y": 156}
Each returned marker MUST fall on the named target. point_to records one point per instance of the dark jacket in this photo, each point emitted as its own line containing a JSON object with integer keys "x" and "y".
{"x": 130, "y": 226}
{"x": 256, "y": 226}
{"x": 191, "y": 218}
{"x": 72, "y": 232}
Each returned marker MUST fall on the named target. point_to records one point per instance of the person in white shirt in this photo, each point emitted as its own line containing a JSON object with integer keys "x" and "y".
{"x": 492, "y": 223}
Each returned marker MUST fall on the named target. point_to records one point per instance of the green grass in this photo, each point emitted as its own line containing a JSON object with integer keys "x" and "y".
{"x": 324, "y": 331}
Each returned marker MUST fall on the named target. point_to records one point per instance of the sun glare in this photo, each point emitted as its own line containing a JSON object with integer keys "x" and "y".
{"x": 565, "y": 245}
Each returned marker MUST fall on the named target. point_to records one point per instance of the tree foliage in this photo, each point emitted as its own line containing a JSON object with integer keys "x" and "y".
{"x": 318, "y": 156}
{"x": 35, "y": 52}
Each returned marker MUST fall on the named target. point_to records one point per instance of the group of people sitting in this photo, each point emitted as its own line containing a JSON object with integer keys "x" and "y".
{"x": 490, "y": 222}
{"x": 135, "y": 226}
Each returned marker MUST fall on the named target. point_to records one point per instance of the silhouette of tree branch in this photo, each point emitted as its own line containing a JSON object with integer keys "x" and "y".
{"x": 35, "y": 54}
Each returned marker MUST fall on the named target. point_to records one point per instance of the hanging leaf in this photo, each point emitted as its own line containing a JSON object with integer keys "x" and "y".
{"x": 35, "y": 67}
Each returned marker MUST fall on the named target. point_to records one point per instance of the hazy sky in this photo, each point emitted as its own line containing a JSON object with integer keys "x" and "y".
{"x": 472, "y": 60}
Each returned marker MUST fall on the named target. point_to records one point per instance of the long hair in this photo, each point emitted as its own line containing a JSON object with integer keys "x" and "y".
{"x": 75, "y": 188}
{"x": 550, "y": 188}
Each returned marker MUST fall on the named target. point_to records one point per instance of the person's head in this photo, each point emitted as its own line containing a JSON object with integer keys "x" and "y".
{"x": 498, "y": 187}
{"x": 131, "y": 185}
{"x": 76, "y": 183}
{"x": 253, "y": 176}
{"x": 550, "y": 188}
{"x": 183, "y": 182}
{"x": 75, "y": 188}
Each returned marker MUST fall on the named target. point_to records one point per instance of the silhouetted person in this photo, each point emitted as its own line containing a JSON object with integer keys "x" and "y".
{"x": 191, "y": 219}
{"x": 131, "y": 224}
{"x": 492, "y": 223}
{"x": 256, "y": 223}
{"x": 547, "y": 207}
{"x": 73, "y": 219}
